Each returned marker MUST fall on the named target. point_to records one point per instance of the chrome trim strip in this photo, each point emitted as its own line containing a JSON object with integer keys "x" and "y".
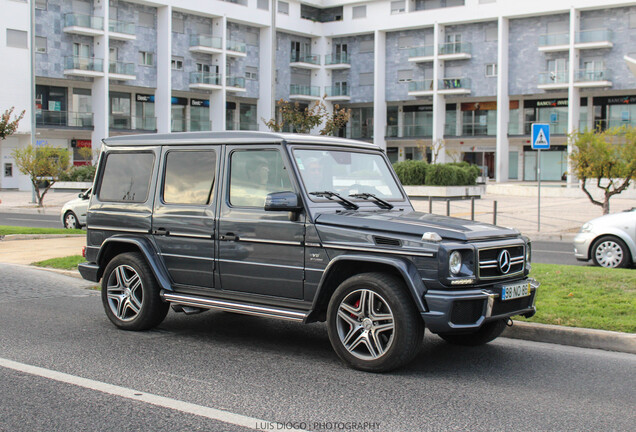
{"x": 491, "y": 303}
{"x": 233, "y": 306}
{"x": 388, "y": 251}
{"x": 317, "y": 245}
{"x": 316, "y": 270}
{"x": 261, "y": 264}
{"x": 186, "y": 256}
{"x": 180, "y": 234}
{"x": 265, "y": 241}
{"x": 106, "y": 228}
{"x": 167, "y": 215}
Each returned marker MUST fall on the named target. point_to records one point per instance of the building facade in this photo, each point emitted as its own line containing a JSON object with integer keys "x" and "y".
{"x": 437, "y": 79}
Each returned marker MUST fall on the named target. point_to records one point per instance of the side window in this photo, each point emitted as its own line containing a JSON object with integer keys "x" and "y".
{"x": 189, "y": 177}
{"x": 126, "y": 177}
{"x": 254, "y": 174}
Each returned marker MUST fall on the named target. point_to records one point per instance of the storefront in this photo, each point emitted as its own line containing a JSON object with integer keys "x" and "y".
{"x": 200, "y": 115}
{"x": 145, "y": 112}
{"x": 615, "y": 111}
{"x": 179, "y": 105}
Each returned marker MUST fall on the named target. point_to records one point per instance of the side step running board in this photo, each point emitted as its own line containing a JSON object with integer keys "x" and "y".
{"x": 230, "y": 306}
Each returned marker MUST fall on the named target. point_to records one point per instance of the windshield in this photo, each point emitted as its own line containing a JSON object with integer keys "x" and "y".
{"x": 346, "y": 173}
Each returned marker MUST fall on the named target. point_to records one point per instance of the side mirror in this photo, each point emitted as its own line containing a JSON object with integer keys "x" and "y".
{"x": 282, "y": 201}
{"x": 81, "y": 195}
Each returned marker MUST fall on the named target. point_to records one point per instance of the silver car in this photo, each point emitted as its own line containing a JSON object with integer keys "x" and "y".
{"x": 609, "y": 241}
{"x": 73, "y": 213}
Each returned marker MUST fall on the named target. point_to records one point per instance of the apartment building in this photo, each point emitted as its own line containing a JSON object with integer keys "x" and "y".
{"x": 436, "y": 79}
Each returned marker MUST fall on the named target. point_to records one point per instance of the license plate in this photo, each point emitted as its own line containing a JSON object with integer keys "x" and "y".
{"x": 509, "y": 292}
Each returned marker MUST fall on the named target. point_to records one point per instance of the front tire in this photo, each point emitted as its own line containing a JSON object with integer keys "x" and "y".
{"x": 130, "y": 293}
{"x": 71, "y": 221}
{"x": 486, "y": 333}
{"x": 373, "y": 324}
{"x": 610, "y": 252}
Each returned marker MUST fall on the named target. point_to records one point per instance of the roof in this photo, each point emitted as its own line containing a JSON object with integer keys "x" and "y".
{"x": 232, "y": 137}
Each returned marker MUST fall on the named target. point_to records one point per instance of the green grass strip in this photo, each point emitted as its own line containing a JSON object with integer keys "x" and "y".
{"x": 7, "y": 230}
{"x": 64, "y": 263}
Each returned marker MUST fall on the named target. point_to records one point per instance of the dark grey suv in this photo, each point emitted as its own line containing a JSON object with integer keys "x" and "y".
{"x": 300, "y": 228}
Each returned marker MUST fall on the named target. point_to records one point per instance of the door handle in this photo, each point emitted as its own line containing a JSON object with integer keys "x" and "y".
{"x": 229, "y": 237}
{"x": 160, "y": 231}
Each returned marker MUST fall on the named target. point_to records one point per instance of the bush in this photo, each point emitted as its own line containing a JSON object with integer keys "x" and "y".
{"x": 83, "y": 173}
{"x": 452, "y": 174}
{"x": 411, "y": 172}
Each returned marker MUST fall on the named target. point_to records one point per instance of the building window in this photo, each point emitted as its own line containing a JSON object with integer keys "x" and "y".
{"x": 8, "y": 170}
{"x": 366, "y": 46}
{"x": 359, "y": 12}
{"x": 17, "y": 38}
{"x": 405, "y": 75}
{"x": 177, "y": 63}
{"x": 283, "y": 7}
{"x": 146, "y": 58}
{"x": 146, "y": 20}
{"x": 81, "y": 50}
{"x": 405, "y": 42}
{"x": 263, "y": 4}
{"x": 177, "y": 25}
{"x": 40, "y": 44}
{"x": 40, "y": 4}
{"x": 251, "y": 38}
{"x": 366, "y": 79}
{"x": 492, "y": 34}
{"x": 491, "y": 70}
{"x": 398, "y": 6}
{"x": 251, "y": 73}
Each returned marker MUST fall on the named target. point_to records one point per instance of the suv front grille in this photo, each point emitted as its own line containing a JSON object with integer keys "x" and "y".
{"x": 491, "y": 260}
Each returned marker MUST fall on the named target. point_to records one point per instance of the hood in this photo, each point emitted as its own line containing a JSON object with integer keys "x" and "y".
{"x": 615, "y": 219}
{"x": 416, "y": 223}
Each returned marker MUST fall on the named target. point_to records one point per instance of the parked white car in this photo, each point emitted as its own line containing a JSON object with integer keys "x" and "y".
{"x": 609, "y": 241}
{"x": 74, "y": 212}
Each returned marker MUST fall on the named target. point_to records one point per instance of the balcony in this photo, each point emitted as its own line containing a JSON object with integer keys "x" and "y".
{"x": 359, "y": 132}
{"x": 554, "y": 42}
{"x": 205, "y": 81}
{"x": 454, "y": 86}
{"x": 298, "y": 60}
{"x": 206, "y": 44}
{"x": 594, "y": 39}
{"x": 421, "y": 88}
{"x": 236, "y": 48}
{"x": 200, "y": 125}
{"x": 83, "y": 25}
{"x": 130, "y": 122}
{"x": 83, "y": 66}
{"x": 337, "y": 61}
{"x": 554, "y": 80}
{"x": 121, "y": 71}
{"x": 455, "y": 51}
{"x": 235, "y": 84}
{"x": 594, "y": 78}
{"x": 409, "y": 131}
{"x": 64, "y": 119}
{"x": 422, "y": 54}
{"x": 120, "y": 30}
{"x": 304, "y": 92}
{"x": 337, "y": 93}
{"x": 478, "y": 129}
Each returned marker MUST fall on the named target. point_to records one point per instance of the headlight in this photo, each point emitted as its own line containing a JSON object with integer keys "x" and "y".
{"x": 455, "y": 263}
{"x": 587, "y": 227}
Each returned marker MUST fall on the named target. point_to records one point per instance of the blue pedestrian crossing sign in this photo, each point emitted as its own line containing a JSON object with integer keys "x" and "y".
{"x": 540, "y": 136}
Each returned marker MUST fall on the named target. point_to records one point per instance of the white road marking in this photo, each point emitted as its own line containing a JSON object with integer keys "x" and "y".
{"x": 164, "y": 402}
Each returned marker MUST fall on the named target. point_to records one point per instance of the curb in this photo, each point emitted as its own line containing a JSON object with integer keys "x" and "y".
{"x": 573, "y": 336}
{"x": 11, "y": 237}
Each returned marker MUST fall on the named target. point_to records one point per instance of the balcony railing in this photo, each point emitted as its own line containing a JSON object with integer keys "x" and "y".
{"x": 241, "y": 126}
{"x": 130, "y": 122}
{"x": 64, "y": 119}
{"x": 478, "y": 129}
{"x": 333, "y": 91}
{"x": 301, "y": 58}
{"x": 121, "y": 27}
{"x": 207, "y": 41}
{"x": 554, "y": 39}
{"x": 364, "y": 132}
{"x": 145, "y": 123}
{"x": 205, "y": 78}
{"x": 236, "y": 46}
{"x": 304, "y": 90}
{"x": 342, "y": 58}
{"x": 422, "y": 51}
{"x": 84, "y": 63}
{"x": 455, "y": 48}
{"x": 409, "y": 131}
{"x": 454, "y": 83}
{"x": 121, "y": 68}
{"x": 593, "y": 75}
{"x": 86, "y": 21}
{"x": 416, "y": 86}
{"x": 238, "y": 82}
{"x": 200, "y": 125}
{"x": 450, "y": 129}
{"x": 560, "y": 77}
{"x": 591, "y": 36}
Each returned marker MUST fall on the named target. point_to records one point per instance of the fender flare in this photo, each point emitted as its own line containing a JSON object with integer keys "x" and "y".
{"x": 148, "y": 251}
{"x": 405, "y": 268}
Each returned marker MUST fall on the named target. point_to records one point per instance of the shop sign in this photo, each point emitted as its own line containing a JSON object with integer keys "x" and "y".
{"x": 145, "y": 98}
{"x": 179, "y": 101}
{"x": 200, "y": 103}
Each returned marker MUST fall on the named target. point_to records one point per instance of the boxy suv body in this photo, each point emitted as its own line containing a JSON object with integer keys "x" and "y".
{"x": 300, "y": 228}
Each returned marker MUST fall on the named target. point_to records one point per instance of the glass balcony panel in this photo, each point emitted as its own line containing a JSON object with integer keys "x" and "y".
{"x": 205, "y": 78}
{"x": 454, "y": 83}
{"x": 84, "y": 63}
{"x": 554, "y": 39}
{"x": 422, "y": 51}
{"x": 64, "y": 118}
{"x": 121, "y": 68}
{"x": 236, "y": 46}
{"x": 200, "y": 125}
{"x": 87, "y": 21}
{"x": 560, "y": 77}
{"x": 342, "y": 58}
{"x": 337, "y": 91}
{"x": 120, "y": 121}
{"x": 421, "y": 85}
{"x": 304, "y": 90}
{"x": 297, "y": 57}
{"x": 592, "y": 75}
{"x": 205, "y": 41}
{"x": 121, "y": 27}
{"x": 597, "y": 35}
{"x": 235, "y": 82}
{"x": 455, "y": 48}
{"x": 145, "y": 123}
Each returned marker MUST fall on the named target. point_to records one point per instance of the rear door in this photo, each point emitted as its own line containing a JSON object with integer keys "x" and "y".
{"x": 184, "y": 213}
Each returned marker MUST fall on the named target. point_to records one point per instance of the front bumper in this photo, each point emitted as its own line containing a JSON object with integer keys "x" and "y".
{"x": 450, "y": 311}
{"x": 582, "y": 243}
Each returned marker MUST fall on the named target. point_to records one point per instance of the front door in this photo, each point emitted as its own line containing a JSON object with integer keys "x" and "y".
{"x": 260, "y": 252}
{"x": 184, "y": 214}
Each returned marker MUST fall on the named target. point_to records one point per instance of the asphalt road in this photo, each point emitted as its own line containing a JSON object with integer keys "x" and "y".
{"x": 32, "y": 220}
{"x": 272, "y": 371}
{"x": 555, "y": 252}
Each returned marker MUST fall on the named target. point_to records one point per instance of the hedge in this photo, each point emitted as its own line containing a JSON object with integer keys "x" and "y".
{"x": 83, "y": 173}
{"x": 413, "y": 173}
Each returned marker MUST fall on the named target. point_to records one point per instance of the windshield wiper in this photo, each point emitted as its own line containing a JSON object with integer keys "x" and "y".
{"x": 380, "y": 202}
{"x": 330, "y": 195}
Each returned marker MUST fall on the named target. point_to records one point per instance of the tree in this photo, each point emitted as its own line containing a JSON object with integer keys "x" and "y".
{"x": 606, "y": 157}
{"x": 44, "y": 165}
{"x": 303, "y": 120}
{"x": 8, "y": 126}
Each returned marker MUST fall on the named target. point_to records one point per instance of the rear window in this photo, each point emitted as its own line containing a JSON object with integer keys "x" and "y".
{"x": 126, "y": 177}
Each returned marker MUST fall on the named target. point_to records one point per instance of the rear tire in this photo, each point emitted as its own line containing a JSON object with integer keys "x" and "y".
{"x": 130, "y": 293}
{"x": 373, "y": 324}
{"x": 486, "y": 333}
{"x": 610, "y": 252}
